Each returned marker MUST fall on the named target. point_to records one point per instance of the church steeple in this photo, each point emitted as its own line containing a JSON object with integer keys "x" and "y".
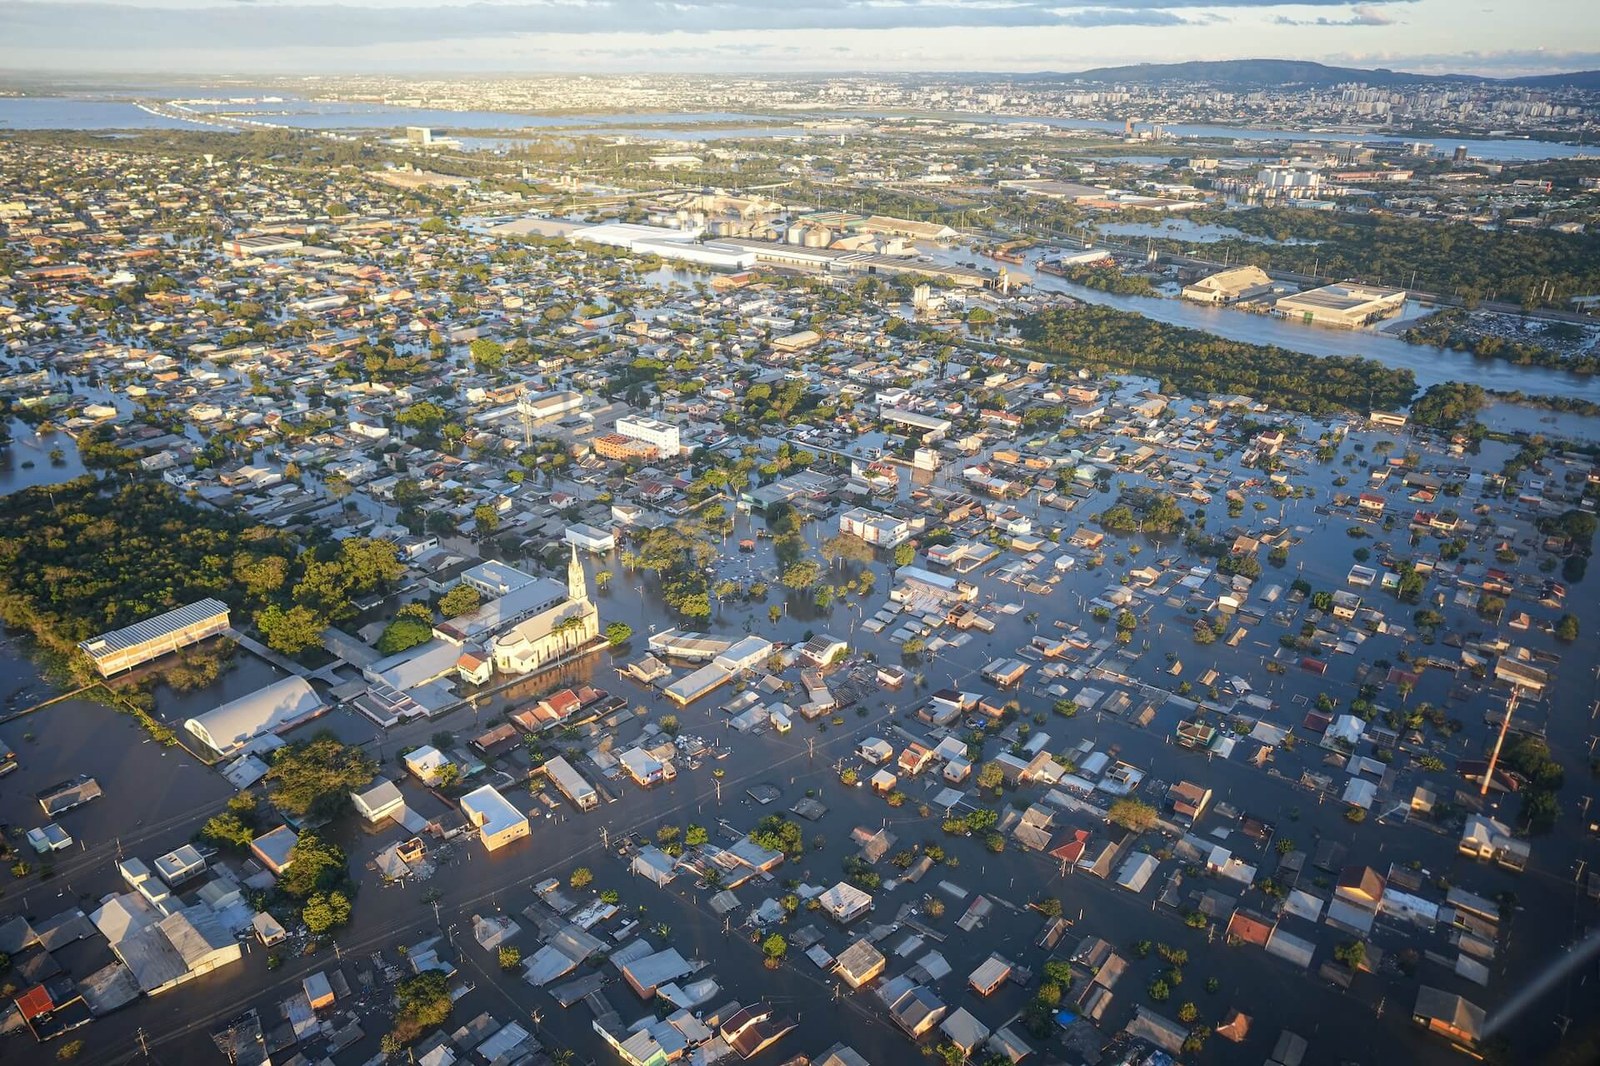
{"x": 577, "y": 580}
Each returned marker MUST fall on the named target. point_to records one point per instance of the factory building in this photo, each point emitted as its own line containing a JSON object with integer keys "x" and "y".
{"x": 1346, "y": 305}
{"x": 1230, "y": 286}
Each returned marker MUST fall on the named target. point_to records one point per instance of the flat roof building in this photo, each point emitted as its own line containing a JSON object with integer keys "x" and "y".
{"x": 652, "y": 431}
{"x": 497, "y": 821}
{"x": 1346, "y": 305}
{"x": 619, "y": 446}
{"x": 874, "y": 527}
{"x": 122, "y": 649}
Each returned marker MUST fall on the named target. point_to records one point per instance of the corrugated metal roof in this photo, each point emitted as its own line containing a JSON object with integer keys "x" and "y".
{"x": 152, "y": 628}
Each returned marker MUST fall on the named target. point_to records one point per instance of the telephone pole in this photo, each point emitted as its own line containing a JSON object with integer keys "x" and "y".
{"x": 1500, "y": 739}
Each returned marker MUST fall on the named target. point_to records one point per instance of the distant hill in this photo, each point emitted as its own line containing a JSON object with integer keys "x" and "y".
{"x": 1260, "y": 73}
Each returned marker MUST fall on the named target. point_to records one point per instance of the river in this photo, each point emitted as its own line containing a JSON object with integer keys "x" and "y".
{"x": 1432, "y": 366}
{"x": 99, "y": 113}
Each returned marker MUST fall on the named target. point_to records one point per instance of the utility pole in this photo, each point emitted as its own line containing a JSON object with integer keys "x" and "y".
{"x": 1500, "y": 739}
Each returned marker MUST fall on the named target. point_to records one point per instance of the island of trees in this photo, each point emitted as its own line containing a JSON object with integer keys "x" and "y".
{"x": 1194, "y": 362}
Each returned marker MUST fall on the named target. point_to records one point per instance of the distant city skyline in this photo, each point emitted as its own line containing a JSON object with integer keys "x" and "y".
{"x": 757, "y": 36}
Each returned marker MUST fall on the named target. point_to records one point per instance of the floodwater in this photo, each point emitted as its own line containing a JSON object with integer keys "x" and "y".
{"x": 96, "y": 112}
{"x": 1184, "y": 229}
{"x": 1430, "y": 365}
{"x": 1524, "y": 418}
{"x": 27, "y": 462}
{"x": 469, "y": 881}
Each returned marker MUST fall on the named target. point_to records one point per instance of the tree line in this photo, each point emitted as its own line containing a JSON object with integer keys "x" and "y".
{"x": 1193, "y": 362}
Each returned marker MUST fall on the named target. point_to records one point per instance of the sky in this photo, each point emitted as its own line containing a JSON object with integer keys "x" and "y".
{"x": 1491, "y": 37}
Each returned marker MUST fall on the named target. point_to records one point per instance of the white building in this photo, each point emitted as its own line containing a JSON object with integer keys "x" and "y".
{"x": 589, "y": 538}
{"x": 497, "y": 821}
{"x": 874, "y": 527}
{"x": 651, "y": 431}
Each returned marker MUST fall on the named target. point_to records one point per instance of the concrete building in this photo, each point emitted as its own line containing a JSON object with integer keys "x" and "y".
{"x": 652, "y": 431}
{"x": 618, "y": 446}
{"x": 1229, "y": 286}
{"x": 933, "y": 429}
{"x": 553, "y": 633}
{"x": 122, "y": 649}
{"x": 590, "y": 539}
{"x": 233, "y": 726}
{"x": 163, "y": 949}
{"x": 538, "y": 407}
{"x": 1346, "y": 305}
{"x": 497, "y": 821}
{"x": 572, "y": 784}
{"x": 874, "y": 527}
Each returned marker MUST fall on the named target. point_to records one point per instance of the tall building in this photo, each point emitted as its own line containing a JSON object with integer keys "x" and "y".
{"x": 652, "y": 431}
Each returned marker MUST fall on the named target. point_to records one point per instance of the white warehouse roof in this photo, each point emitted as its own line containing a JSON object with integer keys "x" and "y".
{"x": 233, "y": 725}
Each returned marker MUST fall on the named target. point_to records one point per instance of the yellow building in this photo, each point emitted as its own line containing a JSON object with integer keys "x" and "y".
{"x": 553, "y": 633}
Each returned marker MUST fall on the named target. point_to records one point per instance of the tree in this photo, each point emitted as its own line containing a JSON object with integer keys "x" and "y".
{"x": 582, "y": 877}
{"x": 1133, "y": 814}
{"x": 486, "y": 518}
{"x": 602, "y": 579}
{"x": 802, "y": 575}
{"x": 991, "y": 775}
{"x": 460, "y": 600}
{"x": 669, "y": 724}
{"x": 403, "y": 633}
{"x": 1188, "y": 1013}
{"x": 487, "y": 355}
{"x": 1352, "y": 953}
{"x": 69, "y": 1051}
{"x": 905, "y": 554}
{"x": 290, "y": 632}
{"x": 1567, "y": 627}
{"x": 423, "y": 1002}
{"x": 316, "y": 777}
{"x": 434, "y": 224}
{"x": 618, "y": 633}
{"x": 315, "y": 866}
{"x": 323, "y": 912}
{"x": 775, "y": 947}
{"x": 425, "y": 417}
{"x": 696, "y": 836}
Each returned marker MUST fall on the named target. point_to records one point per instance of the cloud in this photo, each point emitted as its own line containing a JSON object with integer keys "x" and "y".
{"x": 1361, "y": 15}
{"x": 1106, "y": 16}
{"x": 97, "y": 25}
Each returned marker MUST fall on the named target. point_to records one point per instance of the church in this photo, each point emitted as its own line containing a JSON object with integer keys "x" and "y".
{"x": 552, "y": 632}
